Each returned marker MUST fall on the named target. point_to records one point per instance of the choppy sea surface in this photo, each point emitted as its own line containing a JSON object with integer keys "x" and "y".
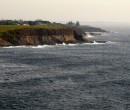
{"x": 67, "y": 77}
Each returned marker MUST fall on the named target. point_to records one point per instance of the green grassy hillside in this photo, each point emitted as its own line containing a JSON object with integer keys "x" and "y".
{"x": 4, "y": 28}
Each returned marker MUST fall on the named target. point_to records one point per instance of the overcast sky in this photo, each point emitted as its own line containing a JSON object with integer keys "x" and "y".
{"x": 66, "y": 10}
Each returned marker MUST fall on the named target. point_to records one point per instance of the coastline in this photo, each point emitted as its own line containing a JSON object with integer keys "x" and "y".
{"x": 42, "y": 36}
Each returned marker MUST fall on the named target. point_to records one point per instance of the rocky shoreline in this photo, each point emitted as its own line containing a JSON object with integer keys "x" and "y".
{"x": 40, "y": 37}
{"x": 43, "y": 36}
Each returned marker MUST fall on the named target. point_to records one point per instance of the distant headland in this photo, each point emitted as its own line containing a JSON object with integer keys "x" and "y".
{"x": 39, "y": 32}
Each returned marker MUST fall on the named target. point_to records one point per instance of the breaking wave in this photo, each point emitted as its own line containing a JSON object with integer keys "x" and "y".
{"x": 63, "y": 44}
{"x": 99, "y": 43}
{"x": 24, "y": 46}
{"x": 41, "y": 46}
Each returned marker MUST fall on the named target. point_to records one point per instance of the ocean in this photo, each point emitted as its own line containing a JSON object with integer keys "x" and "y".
{"x": 68, "y": 77}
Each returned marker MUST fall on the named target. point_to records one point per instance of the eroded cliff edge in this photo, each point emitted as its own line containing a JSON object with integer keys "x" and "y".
{"x": 40, "y": 36}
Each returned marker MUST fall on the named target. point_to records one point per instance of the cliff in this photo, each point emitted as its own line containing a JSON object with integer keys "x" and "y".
{"x": 39, "y": 36}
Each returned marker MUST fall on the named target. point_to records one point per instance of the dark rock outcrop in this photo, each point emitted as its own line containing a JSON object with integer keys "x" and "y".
{"x": 85, "y": 28}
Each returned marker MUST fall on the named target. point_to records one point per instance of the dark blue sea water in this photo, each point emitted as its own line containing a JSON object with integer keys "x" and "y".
{"x": 67, "y": 77}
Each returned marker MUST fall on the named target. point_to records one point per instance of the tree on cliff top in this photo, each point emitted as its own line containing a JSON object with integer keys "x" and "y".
{"x": 77, "y": 23}
{"x": 70, "y": 23}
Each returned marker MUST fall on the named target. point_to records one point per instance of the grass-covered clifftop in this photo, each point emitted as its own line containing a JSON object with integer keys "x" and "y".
{"x": 5, "y": 28}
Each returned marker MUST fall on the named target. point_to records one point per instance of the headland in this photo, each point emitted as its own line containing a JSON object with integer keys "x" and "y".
{"x": 45, "y": 34}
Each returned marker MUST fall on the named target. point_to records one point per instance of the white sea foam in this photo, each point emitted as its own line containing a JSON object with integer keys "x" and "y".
{"x": 24, "y": 46}
{"x": 110, "y": 42}
{"x": 95, "y": 43}
{"x": 61, "y": 44}
{"x": 99, "y": 43}
{"x": 72, "y": 44}
{"x": 88, "y": 36}
{"x": 64, "y": 44}
{"x": 41, "y": 46}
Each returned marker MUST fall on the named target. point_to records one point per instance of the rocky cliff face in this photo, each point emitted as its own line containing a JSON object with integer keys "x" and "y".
{"x": 4, "y": 42}
{"x": 39, "y": 37}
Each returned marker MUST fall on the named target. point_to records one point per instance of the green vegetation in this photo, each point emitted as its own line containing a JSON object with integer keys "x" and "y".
{"x": 5, "y": 28}
{"x": 9, "y": 37}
